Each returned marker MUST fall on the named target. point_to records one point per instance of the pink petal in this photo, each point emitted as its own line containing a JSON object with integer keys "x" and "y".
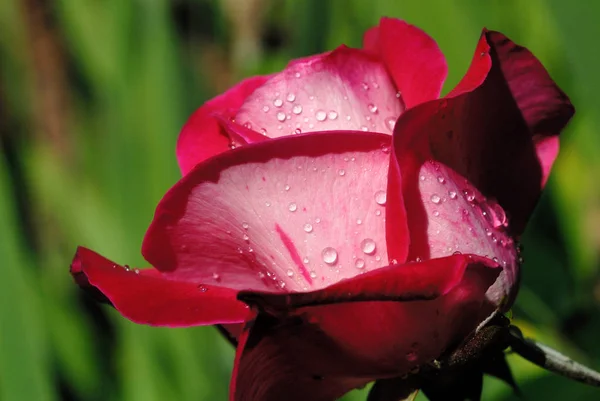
{"x": 446, "y": 213}
{"x": 498, "y": 127}
{"x": 145, "y": 296}
{"x": 413, "y": 59}
{"x": 286, "y": 214}
{"x": 202, "y": 137}
{"x": 347, "y": 89}
{"x": 322, "y": 351}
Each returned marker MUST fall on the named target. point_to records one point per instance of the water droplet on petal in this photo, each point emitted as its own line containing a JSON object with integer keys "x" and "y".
{"x": 202, "y": 288}
{"x": 329, "y": 255}
{"x": 245, "y": 237}
{"x": 452, "y": 194}
{"x": 342, "y": 172}
{"x": 364, "y": 128}
{"x": 372, "y": 108}
{"x": 245, "y": 225}
{"x": 308, "y": 227}
{"x": 216, "y": 277}
{"x": 441, "y": 179}
{"x": 290, "y": 273}
{"x": 359, "y": 263}
{"x": 297, "y": 131}
{"x": 287, "y": 187}
{"x": 332, "y": 115}
{"x": 422, "y": 178}
{"x": 290, "y": 97}
{"x": 380, "y": 197}
{"x": 377, "y": 212}
{"x": 313, "y": 274}
{"x": 297, "y": 109}
{"x": 266, "y": 108}
{"x": 436, "y": 213}
{"x": 358, "y": 221}
{"x": 457, "y": 253}
{"x": 281, "y": 116}
{"x": 368, "y": 246}
{"x": 398, "y": 94}
{"x": 390, "y": 122}
{"x": 435, "y": 199}
{"x": 292, "y": 207}
{"x": 277, "y": 102}
{"x": 469, "y": 195}
{"x": 297, "y": 75}
{"x": 305, "y": 260}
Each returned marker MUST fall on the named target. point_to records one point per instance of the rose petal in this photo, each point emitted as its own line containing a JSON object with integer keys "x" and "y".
{"x": 145, "y": 296}
{"x": 266, "y": 216}
{"x": 410, "y": 282}
{"x": 288, "y": 360}
{"x": 445, "y": 213}
{"x": 341, "y": 343}
{"x": 499, "y": 126}
{"x": 413, "y": 59}
{"x": 347, "y": 89}
{"x": 202, "y": 137}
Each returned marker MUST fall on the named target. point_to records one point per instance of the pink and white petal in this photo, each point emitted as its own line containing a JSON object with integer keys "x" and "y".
{"x": 498, "y": 127}
{"x": 346, "y": 89}
{"x": 413, "y": 59}
{"x": 358, "y": 338}
{"x": 202, "y": 137}
{"x": 292, "y": 213}
{"x": 446, "y": 213}
{"x": 289, "y": 360}
{"x": 145, "y": 296}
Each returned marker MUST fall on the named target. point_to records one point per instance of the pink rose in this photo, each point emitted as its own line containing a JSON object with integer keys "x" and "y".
{"x": 335, "y": 252}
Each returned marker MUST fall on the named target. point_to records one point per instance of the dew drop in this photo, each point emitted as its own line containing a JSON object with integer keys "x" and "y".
{"x": 308, "y": 227}
{"x": 313, "y": 274}
{"x": 266, "y": 108}
{"x": 216, "y": 277}
{"x": 368, "y": 246}
{"x": 267, "y": 203}
{"x": 390, "y": 122}
{"x": 305, "y": 260}
{"x": 372, "y": 108}
{"x": 469, "y": 195}
{"x": 290, "y": 97}
{"x": 245, "y": 237}
{"x": 422, "y": 178}
{"x": 457, "y": 253}
{"x": 358, "y": 221}
{"x": 332, "y": 115}
{"x": 364, "y": 128}
{"x": 365, "y": 86}
{"x": 290, "y": 273}
{"x": 297, "y": 75}
{"x": 245, "y": 225}
{"x": 277, "y": 102}
{"x": 329, "y": 255}
{"x": 297, "y": 109}
{"x": 435, "y": 199}
{"x": 441, "y": 179}
{"x": 263, "y": 131}
{"x": 318, "y": 220}
{"x": 342, "y": 172}
{"x": 287, "y": 187}
{"x": 292, "y": 207}
{"x": 452, "y": 194}
{"x": 359, "y": 263}
{"x": 136, "y": 271}
{"x": 436, "y": 213}
{"x": 281, "y": 116}
{"x": 380, "y": 197}
{"x": 377, "y": 212}
{"x": 398, "y": 94}
{"x": 202, "y": 288}
{"x": 321, "y": 115}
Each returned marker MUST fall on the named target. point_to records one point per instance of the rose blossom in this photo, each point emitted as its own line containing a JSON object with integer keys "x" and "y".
{"x": 336, "y": 253}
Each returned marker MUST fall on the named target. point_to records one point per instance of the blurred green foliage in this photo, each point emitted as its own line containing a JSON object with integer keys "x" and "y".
{"x": 92, "y": 97}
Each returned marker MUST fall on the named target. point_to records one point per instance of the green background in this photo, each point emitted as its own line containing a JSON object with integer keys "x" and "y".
{"x": 92, "y": 96}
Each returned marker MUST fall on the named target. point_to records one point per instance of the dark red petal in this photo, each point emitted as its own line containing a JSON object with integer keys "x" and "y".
{"x": 145, "y": 296}
{"x": 410, "y": 282}
{"x": 201, "y": 137}
{"x": 259, "y": 217}
{"x": 320, "y": 352}
{"x": 497, "y": 128}
{"x": 289, "y": 360}
{"x": 412, "y": 58}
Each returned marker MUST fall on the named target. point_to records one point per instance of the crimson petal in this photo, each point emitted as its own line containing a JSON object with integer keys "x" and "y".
{"x": 201, "y": 137}
{"x": 145, "y": 296}
{"x": 321, "y": 351}
{"x": 499, "y": 127}
{"x": 412, "y": 58}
